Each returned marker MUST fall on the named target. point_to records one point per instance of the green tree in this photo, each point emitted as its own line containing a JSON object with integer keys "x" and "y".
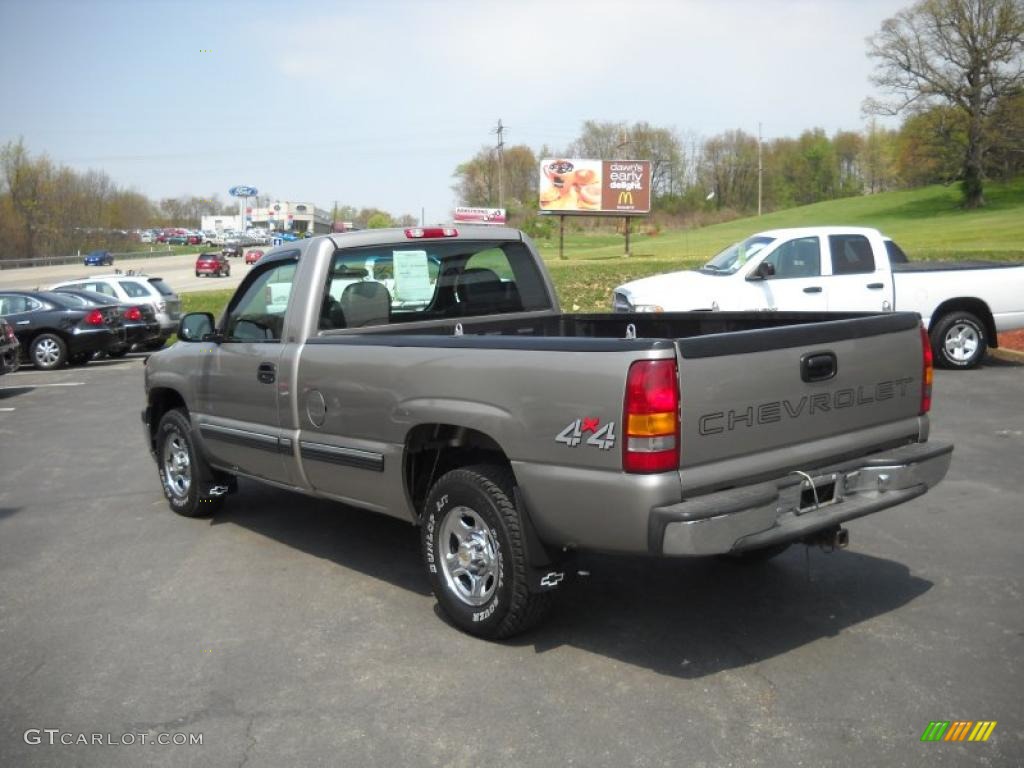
{"x": 379, "y": 220}
{"x": 966, "y": 54}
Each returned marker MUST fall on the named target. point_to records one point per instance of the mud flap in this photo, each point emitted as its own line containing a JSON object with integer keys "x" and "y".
{"x": 549, "y": 569}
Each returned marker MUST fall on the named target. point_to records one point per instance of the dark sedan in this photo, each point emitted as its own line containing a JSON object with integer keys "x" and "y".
{"x": 9, "y": 346}
{"x": 98, "y": 259}
{"x": 139, "y": 320}
{"x": 54, "y": 329}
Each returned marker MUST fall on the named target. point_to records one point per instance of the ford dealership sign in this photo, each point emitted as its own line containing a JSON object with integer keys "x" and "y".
{"x": 242, "y": 191}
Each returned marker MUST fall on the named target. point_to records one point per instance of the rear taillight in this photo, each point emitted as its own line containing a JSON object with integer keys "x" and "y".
{"x": 94, "y": 318}
{"x": 927, "y": 372}
{"x": 418, "y": 232}
{"x": 651, "y": 417}
{"x": 132, "y": 313}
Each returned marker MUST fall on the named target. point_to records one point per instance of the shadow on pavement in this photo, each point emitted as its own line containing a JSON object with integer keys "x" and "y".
{"x": 685, "y": 618}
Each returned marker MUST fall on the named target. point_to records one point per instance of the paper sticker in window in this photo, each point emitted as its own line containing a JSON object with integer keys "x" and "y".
{"x": 412, "y": 277}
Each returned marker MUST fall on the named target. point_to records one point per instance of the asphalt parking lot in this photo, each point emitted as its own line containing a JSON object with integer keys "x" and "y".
{"x": 288, "y": 631}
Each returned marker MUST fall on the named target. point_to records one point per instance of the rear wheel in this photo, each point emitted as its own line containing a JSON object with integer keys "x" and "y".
{"x": 81, "y": 358}
{"x": 118, "y": 352}
{"x": 475, "y": 553}
{"x": 48, "y": 351}
{"x": 958, "y": 340}
{"x": 153, "y": 346}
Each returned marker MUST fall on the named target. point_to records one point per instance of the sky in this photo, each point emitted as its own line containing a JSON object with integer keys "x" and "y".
{"x": 375, "y": 103}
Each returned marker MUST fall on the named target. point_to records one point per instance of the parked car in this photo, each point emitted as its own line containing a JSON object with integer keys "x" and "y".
{"x": 131, "y": 289}
{"x": 177, "y": 239}
{"x": 231, "y": 249}
{"x": 9, "y": 348}
{"x": 213, "y": 265}
{"x": 54, "y": 329}
{"x": 846, "y": 269}
{"x": 194, "y": 238}
{"x": 139, "y": 319}
{"x": 514, "y": 434}
{"x": 98, "y": 259}
{"x": 146, "y": 237}
{"x": 288, "y": 237}
{"x": 253, "y": 255}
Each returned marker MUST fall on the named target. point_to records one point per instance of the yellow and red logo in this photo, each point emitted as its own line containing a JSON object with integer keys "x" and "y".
{"x": 958, "y": 730}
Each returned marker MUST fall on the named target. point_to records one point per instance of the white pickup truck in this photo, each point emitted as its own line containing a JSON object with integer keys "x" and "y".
{"x": 846, "y": 269}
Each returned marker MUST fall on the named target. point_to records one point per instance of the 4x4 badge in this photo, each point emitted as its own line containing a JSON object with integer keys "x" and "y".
{"x": 601, "y": 437}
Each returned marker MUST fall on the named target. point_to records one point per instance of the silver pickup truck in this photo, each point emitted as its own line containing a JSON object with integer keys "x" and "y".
{"x": 428, "y": 374}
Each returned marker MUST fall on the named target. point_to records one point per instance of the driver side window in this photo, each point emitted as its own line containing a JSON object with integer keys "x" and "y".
{"x": 796, "y": 258}
{"x": 259, "y": 314}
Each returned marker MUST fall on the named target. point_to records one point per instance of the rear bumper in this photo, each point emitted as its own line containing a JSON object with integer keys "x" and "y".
{"x": 772, "y": 512}
{"x": 95, "y": 340}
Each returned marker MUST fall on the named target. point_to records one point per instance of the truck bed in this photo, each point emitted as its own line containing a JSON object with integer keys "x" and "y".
{"x": 956, "y": 266}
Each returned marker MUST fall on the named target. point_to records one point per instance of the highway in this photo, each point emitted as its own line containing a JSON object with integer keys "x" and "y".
{"x": 178, "y": 271}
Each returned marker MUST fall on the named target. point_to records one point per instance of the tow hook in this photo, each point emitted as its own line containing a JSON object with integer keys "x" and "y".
{"x": 830, "y": 539}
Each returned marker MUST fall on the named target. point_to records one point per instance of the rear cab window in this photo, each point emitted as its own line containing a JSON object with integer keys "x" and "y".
{"x": 896, "y": 254}
{"x": 408, "y": 281}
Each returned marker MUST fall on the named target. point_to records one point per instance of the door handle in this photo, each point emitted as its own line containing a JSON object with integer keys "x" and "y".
{"x": 266, "y": 373}
{"x": 876, "y": 286}
{"x": 818, "y": 366}
{"x": 813, "y": 289}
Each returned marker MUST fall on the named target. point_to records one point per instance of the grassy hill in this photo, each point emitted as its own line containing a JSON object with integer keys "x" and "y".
{"x": 927, "y": 222}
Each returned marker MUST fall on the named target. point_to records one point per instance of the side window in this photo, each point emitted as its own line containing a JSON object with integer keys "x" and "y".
{"x": 851, "y": 254}
{"x": 99, "y": 287}
{"x": 796, "y": 258}
{"x": 12, "y": 305}
{"x": 258, "y": 314}
{"x": 134, "y": 289}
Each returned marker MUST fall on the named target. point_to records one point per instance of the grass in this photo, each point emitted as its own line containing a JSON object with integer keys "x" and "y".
{"x": 927, "y": 222}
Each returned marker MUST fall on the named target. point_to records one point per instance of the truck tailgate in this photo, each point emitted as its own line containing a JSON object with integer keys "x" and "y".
{"x": 798, "y": 395}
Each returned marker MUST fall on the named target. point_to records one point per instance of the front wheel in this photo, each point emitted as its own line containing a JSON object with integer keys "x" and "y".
{"x": 958, "y": 340}
{"x": 475, "y": 553}
{"x": 184, "y": 474}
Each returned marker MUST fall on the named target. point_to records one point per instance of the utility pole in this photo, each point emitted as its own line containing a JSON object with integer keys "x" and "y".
{"x": 500, "y": 132}
{"x": 760, "y": 169}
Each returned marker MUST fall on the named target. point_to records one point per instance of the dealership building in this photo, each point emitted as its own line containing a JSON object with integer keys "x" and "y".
{"x": 280, "y": 215}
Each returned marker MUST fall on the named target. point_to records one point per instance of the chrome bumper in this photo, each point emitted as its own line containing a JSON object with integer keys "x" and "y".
{"x": 788, "y": 509}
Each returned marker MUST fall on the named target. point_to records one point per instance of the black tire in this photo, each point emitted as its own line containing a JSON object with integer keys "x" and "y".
{"x": 153, "y": 346}
{"x": 481, "y": 498}
{"x": 185, "y": 477}
{"x": 118, "y": 352}
{"x": 958, "y": 340}
{"x": 48, "y": 351}
{"x": 228, "y": 272}
{"x": 81, "y": 358}
{"x": 760, "y": 555}
{"x": 197, "y": 273}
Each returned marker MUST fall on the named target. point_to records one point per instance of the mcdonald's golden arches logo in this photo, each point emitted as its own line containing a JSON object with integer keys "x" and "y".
{"x": 626, "y": 198}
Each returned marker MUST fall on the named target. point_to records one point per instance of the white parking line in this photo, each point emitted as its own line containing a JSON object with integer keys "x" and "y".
{"x": 6, "y": 410}
{"x": 37, "y": 386}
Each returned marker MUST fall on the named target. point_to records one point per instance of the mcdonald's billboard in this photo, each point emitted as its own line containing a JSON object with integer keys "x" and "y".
{"x": 595, "y": 187}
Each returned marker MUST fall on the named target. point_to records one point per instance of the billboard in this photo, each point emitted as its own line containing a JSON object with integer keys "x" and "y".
{"x": 596, "y": 187}
{"x": 479, "y": 215}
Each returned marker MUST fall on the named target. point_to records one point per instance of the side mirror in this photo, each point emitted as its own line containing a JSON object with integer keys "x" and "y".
{"x": 195, "y": 326}
{"x": 763, "y": 272}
